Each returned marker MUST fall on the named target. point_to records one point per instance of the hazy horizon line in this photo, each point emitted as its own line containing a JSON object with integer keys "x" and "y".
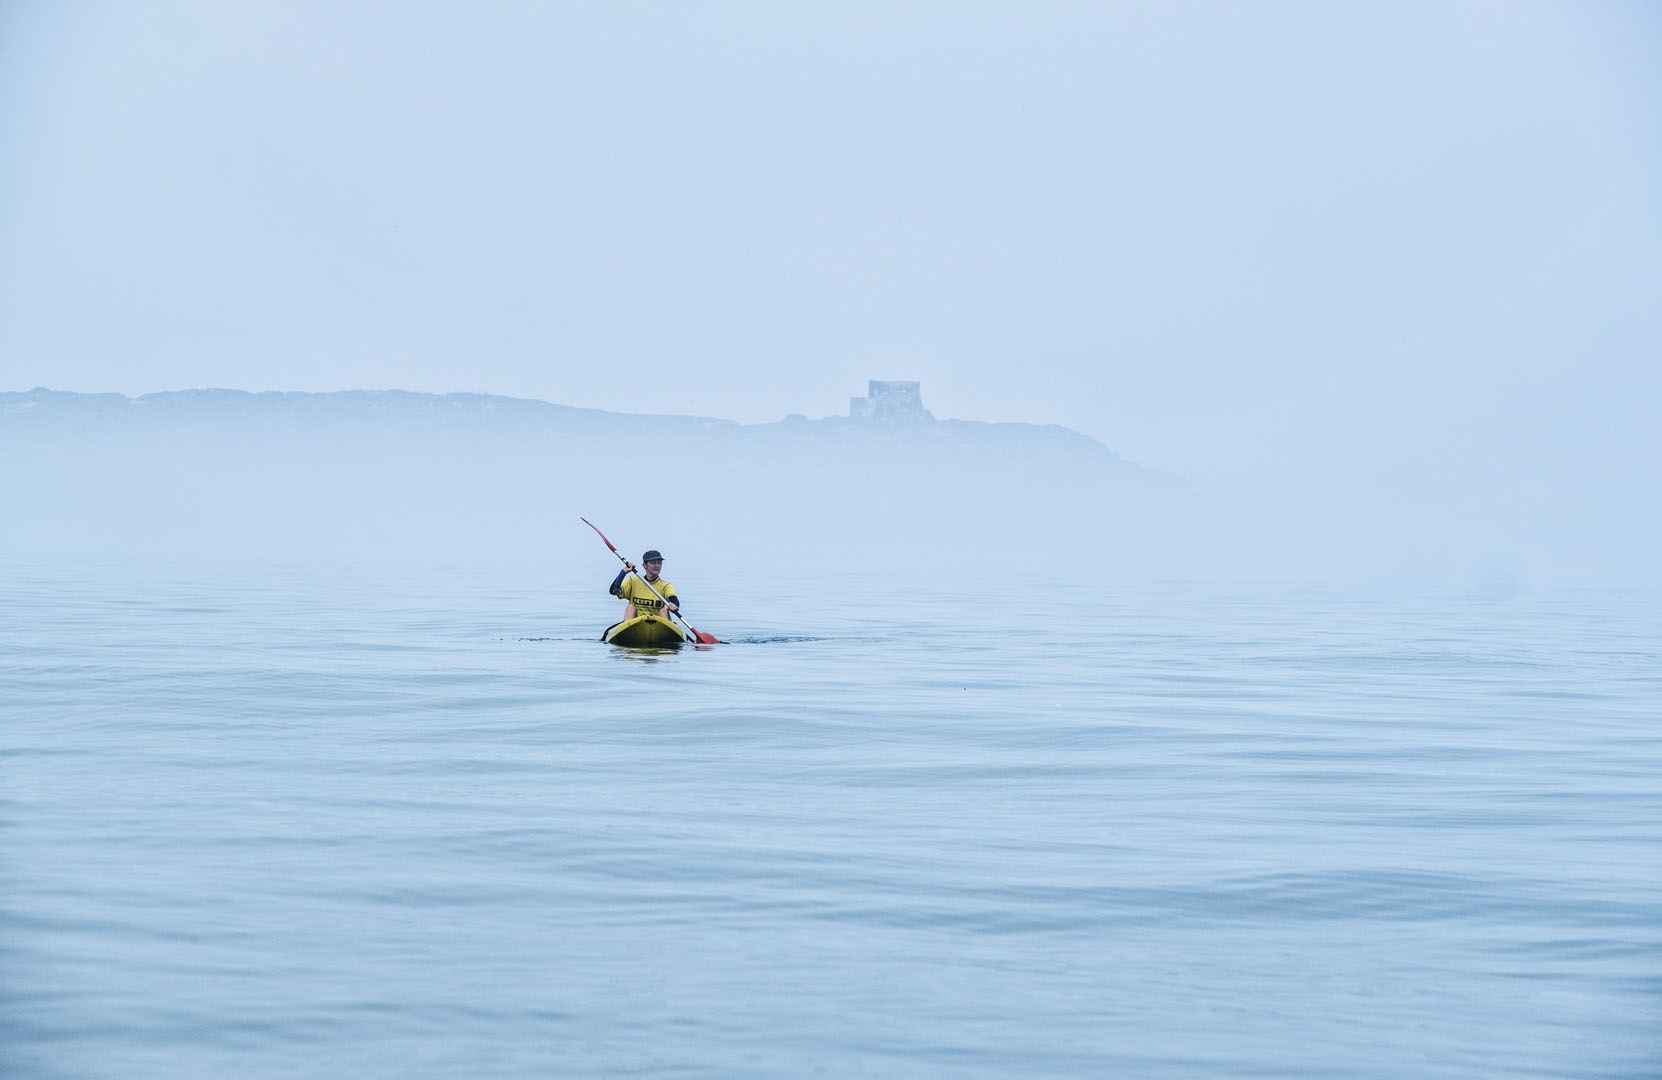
{"x": 502, "y": 397}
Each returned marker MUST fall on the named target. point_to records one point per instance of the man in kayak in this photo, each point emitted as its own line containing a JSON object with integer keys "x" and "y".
{"x": 633, "y": 589}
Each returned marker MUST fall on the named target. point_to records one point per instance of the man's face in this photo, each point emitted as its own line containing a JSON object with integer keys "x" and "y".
{"x": 652, "y": 569}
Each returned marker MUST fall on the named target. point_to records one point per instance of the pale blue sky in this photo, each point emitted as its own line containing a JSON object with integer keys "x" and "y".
{"x": 1220, "y": 239}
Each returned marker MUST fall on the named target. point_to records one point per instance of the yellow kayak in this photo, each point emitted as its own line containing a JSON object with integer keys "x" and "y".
{"x": 644, "y": 632}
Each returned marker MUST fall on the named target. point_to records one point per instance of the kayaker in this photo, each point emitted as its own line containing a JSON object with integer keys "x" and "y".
{"x": 627, "y": 586}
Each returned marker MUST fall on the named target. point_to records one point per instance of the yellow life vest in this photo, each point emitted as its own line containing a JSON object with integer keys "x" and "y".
{"x": 638, "y": 594}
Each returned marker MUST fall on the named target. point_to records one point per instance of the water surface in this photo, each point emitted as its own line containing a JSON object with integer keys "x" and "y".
{"x": 280, "y": 823}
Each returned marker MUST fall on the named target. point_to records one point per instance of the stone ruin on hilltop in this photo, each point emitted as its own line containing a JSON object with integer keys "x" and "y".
{"x": 890, "y": 402}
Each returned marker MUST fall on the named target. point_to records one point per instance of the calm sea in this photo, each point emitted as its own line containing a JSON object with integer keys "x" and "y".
{"x": 348, "y": 823}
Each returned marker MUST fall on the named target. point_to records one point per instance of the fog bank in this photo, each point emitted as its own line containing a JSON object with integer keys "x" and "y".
{"x": 396, "y": 478}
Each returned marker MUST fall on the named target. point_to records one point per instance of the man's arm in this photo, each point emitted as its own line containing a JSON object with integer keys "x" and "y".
{"x": 616, "y": 587}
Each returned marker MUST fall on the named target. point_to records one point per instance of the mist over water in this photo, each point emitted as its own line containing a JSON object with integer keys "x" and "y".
{"x": 1021, "y": 759}
{"x": 457, "y": 480}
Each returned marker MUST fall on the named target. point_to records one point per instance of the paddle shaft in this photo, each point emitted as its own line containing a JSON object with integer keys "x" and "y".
{"x": 696, "y": 636}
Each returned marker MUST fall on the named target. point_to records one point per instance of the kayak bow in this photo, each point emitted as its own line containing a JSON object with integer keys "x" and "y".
{"x": 645, "y": 632}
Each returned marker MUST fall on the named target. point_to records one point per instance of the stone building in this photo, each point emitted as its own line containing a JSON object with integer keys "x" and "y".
{"x": 890, "y": 402}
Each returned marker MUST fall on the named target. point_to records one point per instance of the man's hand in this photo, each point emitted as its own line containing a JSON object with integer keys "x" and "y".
{"x": 673, "y": 604}
{"x": 629, "y": 566}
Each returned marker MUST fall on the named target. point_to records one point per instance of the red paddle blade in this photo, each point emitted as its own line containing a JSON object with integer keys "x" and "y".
{"x": 704, "y": 638}
{"x": 598, "y": 533}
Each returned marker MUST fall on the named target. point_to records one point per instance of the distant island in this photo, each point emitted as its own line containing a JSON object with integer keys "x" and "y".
{"x": 889, "y": 419}
{"x": 392, "y": 473}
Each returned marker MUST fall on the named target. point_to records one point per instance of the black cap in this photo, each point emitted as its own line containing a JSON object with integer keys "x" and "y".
{"x": 653, "y": 555}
